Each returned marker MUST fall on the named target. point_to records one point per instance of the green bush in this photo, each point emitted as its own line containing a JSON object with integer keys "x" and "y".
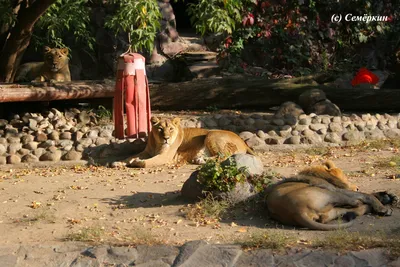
{"x": 298, "y": 36}
{"x": 213, "y": 176}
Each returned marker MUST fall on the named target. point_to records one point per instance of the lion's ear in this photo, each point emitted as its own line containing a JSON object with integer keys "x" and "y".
{"x": 154, "y": 120}
{"x": 46, "y": 49}
{"x": 64, "y": 51}
{"x": 330, "y": 165}
{"x": 176, "y": 121}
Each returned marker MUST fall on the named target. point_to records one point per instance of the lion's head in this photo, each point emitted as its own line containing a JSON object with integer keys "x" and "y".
{"x": 329, "y": 172}
{"x": 165, "y": 131}
{"x": 55, "y": 58}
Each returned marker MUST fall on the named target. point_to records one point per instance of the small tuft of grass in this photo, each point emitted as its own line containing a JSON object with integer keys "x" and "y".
{"x": 317, "y": 151}
{"x": 265, "y": 240}
{"x": 41, "y": 216}
{"x": 343, "y": 240}
{"x": 141, "y": 236}
{"x": 378, "y": 144}
{"x": 393, "y": 162}
{"x": 103, "y": 114}
{"x": 88, "y": 234}
{"x": 206, "y": 211}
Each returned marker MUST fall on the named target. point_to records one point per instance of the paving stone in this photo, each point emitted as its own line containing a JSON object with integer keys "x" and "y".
{"x": 373, "y": 257}
{"x": 344, "y": 261}
{"x": 256, "y": 258}
{"x": 207, "y": 255}
{"x": 157, "y": 252}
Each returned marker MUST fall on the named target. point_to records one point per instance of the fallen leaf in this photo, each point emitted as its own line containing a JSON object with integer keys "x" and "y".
{"x": 35, "y": 205}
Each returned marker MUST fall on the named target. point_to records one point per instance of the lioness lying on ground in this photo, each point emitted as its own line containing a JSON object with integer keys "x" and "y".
{"x": 54, "y": 68}
{"x": 321, "y": 194}
{"x": 168, "y": 142}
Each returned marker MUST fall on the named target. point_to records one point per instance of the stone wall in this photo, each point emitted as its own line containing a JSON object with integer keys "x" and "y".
{"x": 75, "y": 135}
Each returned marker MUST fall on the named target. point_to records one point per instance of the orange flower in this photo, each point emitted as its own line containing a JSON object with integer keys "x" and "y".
{"x": 364, "y": 76}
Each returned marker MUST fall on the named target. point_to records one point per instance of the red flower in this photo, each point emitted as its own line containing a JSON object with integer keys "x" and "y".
{"x": 248, "y": 20}
{"x": 228, "y": 42}
{"x": 364, "y": 76}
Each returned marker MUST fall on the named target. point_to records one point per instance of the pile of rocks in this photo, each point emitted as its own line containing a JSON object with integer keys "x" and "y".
{"x": 260, "y": 130}
{"x": 75, "y": 135}
{"x": 50, "y": 136}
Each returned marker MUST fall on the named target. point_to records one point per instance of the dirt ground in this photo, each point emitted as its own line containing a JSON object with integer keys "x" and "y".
{"x": 48, "y": 204}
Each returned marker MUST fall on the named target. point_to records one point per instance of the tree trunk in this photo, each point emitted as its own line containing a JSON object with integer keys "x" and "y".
{"x": 20, "y": 36}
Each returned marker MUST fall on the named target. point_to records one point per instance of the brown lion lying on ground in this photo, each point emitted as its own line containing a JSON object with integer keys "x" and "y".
{"x": 320, "y": 194}
{"x": 168, "y": 142}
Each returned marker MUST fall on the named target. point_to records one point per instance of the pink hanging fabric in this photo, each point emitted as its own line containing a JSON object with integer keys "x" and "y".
{"x": 132, "y": 93}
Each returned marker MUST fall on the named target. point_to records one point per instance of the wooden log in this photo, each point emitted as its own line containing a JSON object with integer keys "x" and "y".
{"x": 222, "y": 93}
{"x": 56, "y": 91}
{"x": 261, "y": 94}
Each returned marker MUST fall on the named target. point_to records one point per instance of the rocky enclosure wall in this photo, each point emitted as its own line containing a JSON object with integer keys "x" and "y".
{"x": 75, "y": 135}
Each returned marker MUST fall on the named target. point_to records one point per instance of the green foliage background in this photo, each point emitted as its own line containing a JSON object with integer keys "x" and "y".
{"x": 295, "y": 36}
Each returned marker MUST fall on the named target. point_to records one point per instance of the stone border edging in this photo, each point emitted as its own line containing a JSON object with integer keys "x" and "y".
{"x": 76, "y": 135}
{"x": 191, "y": 254}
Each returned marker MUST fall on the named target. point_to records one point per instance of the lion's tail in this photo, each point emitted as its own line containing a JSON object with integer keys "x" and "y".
{"x": 305, "y": 221}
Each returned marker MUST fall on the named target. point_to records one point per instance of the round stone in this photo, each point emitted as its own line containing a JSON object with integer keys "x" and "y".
{"x": 13, "y": 148}
{"x": 65, "y": 136}
{"x": 335, "y": 127}
{"x": 101, "y": 141}
{"x": 332, "y": 138}
{"x": 54, "y": 135}
{"x": 27, "y": 138}
{"x": 3, "y": 149}
{"x": 39, "y": 151}
{"x": 51, "y": 156}
{"x": 31, "y": 145}
{"x": 72, "y": 155}
{"x": 41, "y": 137}
{"x": 293, "y": 140}
{"x": 13, "y": 159}
{"x": 23, "y": 151}
{"x": 29, "y": 158}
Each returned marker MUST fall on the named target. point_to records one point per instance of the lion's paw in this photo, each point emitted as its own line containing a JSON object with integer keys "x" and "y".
{"x": 138, "y": 163}
{"x": 387, "y": 198}
{"x": 199, "y": 161}
{"x": 117, "y": 164}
